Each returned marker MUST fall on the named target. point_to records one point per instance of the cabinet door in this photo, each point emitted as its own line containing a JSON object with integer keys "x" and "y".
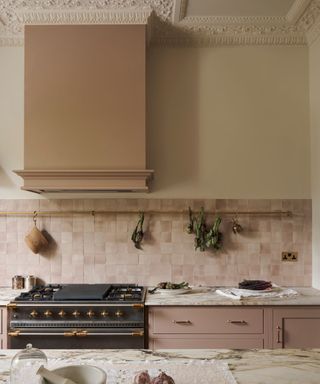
{"x": 3, "y": 327}
{"x": 296, "y": 327}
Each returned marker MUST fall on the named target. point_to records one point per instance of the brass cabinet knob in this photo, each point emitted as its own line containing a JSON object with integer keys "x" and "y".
{"x": 90, "y": 313}
{"x": 75, "y": 313}
{"x": 104, "y": 313}
{"x": 48, "y": 313}
{"x": 119, "y": 313}
{"x": 34, "y": 313}
{"x": 62, "y": 313}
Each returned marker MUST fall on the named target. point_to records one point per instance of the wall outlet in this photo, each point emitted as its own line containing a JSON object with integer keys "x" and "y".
{"x": 289, "y": 256}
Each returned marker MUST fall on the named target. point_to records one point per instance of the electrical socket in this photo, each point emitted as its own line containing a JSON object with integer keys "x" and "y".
{"x": 289, "y": 256}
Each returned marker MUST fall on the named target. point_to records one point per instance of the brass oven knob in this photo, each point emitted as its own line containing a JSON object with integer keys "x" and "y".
{"x": 75, "y": 313}
{"x": 119, "y": 313}
{"x": 34, "y": 313}
{"x": 104, "y": 313}
{"x": 62, "y": 313}
{"x": 90, "y": 313}
{"x": 48, "y": 313}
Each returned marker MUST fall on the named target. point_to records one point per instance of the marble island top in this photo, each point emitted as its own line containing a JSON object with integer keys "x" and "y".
{"x": 208, "y": 296}
{"x": 247, "y": 366}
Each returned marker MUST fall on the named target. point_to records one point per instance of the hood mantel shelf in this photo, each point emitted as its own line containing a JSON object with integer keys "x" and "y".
{"x": 40, "y": 181}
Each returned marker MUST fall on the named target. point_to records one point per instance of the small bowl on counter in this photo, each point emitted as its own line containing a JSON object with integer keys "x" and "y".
{"x": 80, "y": 374}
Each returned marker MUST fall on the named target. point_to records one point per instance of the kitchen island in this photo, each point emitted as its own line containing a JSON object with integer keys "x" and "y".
{"x": 247, "y": 366}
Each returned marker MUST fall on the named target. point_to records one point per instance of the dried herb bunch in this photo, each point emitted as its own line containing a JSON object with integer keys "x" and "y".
{"x": 205, "y": 237}
{"x": 137, "y": 235}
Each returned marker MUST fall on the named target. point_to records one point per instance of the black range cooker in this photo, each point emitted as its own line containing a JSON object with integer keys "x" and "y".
{"x": 78, "y": 316}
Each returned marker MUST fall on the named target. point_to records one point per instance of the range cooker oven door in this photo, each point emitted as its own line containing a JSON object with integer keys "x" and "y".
{"x": 66, "y": 338}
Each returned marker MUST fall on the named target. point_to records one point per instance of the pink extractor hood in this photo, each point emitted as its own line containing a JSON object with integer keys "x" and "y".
{"x": 85, "y": 108}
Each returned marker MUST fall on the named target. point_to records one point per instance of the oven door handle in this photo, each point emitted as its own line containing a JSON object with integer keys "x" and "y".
{"x": 79, "y": 333}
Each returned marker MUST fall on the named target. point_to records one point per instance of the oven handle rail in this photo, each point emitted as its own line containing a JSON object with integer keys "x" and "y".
{"x": 75, "y": 333}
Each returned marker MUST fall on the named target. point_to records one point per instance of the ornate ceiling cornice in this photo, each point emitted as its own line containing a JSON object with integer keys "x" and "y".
{"x": 169, "y": 24}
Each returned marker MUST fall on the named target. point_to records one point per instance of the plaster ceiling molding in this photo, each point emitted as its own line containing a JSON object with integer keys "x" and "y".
{"x": 310, "y": 22}
{"x": 297, "y": 10}
{"x": 15, "y": 14}
{"x": 280, "y": 25}
{"x": 175, "y": 22}
{"x": 232, "y": 34}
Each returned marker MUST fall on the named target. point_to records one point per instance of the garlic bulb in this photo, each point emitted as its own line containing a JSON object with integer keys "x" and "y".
{"x": 142, "y": 378}
{"x": 162, "y": 378}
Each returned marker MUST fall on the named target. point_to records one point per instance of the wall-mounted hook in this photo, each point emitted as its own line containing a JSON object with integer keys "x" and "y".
{"x": 236, "y": 226}
{"x": 35, "y": 215}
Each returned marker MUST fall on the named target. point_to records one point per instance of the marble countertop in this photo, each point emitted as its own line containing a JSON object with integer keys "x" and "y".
{"x": 203, "y": 296}
{"x": 247, "y": 366}
{"x": 7, "y": 294}
{"x": 208, "y": 296}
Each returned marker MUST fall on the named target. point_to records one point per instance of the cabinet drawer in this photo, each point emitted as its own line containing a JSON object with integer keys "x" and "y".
{"x": 196, "y": 320}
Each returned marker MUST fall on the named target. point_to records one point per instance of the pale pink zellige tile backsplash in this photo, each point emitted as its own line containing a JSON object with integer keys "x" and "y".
{"x": 97, "y": 248}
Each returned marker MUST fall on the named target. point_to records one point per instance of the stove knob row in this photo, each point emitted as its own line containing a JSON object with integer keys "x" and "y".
{"x": 47, "y": 313}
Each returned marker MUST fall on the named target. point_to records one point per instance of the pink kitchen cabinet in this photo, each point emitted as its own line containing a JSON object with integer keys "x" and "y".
{"x": 209, "y": 327}
{"x": 297, "y": 327}
{"x": 234, "y": 327}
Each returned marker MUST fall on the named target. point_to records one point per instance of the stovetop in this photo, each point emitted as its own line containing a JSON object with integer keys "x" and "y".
{"x": 66, "y": 293}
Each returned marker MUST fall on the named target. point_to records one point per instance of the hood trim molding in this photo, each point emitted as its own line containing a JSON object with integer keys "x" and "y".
{"x": 41, "y": 181}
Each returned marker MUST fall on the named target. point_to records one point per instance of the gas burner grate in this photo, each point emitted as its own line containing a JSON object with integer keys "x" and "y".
{"x": 39, "y": 293}
{"x": 125, "y": 293}
{"x": 58, "y": 293}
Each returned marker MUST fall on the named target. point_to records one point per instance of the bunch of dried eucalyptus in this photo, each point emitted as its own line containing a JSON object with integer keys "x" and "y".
{"x": 205, "y": 238}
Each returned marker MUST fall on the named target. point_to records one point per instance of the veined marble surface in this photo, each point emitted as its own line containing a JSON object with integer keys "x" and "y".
{"x": 248, "y": 366}
{"x": 7, "y": 294}
{"x": 208, "y": 296}
{"x": 203, "y": 296}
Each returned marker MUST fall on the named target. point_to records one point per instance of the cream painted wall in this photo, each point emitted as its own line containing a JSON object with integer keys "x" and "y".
{"x": 227, "y": 122}
{"x": 315, "y": 156}
{"x": 230, "y": 122}
{"x": 11, "y": 121}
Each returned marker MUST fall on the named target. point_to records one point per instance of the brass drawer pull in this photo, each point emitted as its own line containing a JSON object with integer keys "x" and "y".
{"x": 186, "y": 322}
{"x": 237, "y": 322}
